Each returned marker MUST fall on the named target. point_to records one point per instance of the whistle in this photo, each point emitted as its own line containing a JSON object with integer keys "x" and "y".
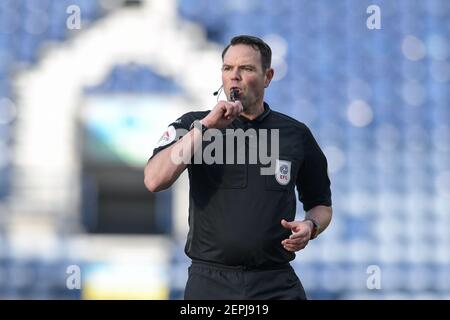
{"x": 234, "y": 94}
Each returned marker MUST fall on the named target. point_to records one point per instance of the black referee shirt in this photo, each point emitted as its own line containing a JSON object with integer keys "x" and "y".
{"x": 235, "y": 212}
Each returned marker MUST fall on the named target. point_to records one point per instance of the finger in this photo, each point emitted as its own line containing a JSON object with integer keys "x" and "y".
{"x": 236, "y": 111}
{"x": 238, "y": 105}
{"x": 230, "y": 112}
{"x": 286, "y": 225}
{"x": 231, "y": 106}
{"x": 301, "y": 234}
{"x": 223, "y": 111}
{"x": 227, "y": 111}
{"x": 294, "y": 247}
{"x": 297, "y": 242}
{"x": 223, "y": 107}
{"x": 241, "y": 107}
{"x": 294, "y": 241}
{"x": 290, "y": 248}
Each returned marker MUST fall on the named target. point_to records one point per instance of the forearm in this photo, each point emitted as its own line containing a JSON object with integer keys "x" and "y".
{"x": 321, "y": 214}
{"x": 165, "y": 167}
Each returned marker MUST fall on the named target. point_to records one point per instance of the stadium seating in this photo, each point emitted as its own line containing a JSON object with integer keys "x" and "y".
{"x": 392, "y": 151}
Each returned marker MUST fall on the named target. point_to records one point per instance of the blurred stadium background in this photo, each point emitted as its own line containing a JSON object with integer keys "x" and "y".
{"x": 80, "y": 112}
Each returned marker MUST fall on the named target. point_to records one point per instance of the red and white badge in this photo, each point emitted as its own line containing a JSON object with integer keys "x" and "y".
{"x": 168, "y": 136}
{"x": 283, "y": 172}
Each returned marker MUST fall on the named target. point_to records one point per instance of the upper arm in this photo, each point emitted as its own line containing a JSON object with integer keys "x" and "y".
{"x": 156, "y": 177}
{"x": 175, "y": 131}
{"x": 313, "y": 183}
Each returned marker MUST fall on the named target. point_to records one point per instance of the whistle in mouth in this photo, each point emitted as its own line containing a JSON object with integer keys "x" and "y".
{"x": 234, "y": 94}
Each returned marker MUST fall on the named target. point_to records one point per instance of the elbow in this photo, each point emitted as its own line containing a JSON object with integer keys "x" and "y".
{"x": 329, "y": 211}
{"x": 153, "y": 183}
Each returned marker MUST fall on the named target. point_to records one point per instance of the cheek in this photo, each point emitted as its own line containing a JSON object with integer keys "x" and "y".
{"x": 254, "y": 83}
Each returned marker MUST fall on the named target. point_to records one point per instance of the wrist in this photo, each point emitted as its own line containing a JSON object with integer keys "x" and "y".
{"x": 199, "y": 125}
{"x": 311, "y": 224}
{"x": 205, "y": 123}
{"x": 314, "y": 228}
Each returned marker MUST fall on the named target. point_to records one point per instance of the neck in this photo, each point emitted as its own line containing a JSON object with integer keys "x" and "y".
{"x": 253, "y": 111}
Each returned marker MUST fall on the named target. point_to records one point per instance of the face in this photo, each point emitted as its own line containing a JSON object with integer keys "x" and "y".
{"x": 242, "y": 69}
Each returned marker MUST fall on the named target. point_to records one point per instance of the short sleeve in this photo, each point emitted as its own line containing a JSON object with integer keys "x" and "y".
{"x": 175, "y": 131}
{"x": 313, "y": 183}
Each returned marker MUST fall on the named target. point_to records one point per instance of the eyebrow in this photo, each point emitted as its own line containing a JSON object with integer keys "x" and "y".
{"x": 241, "y": 66}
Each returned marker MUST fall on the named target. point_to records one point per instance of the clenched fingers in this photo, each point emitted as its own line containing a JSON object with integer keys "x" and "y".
{"x": 233, "y": 109}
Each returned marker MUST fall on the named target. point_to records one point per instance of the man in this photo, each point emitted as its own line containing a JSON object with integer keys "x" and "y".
{"x": 242, "y": 232}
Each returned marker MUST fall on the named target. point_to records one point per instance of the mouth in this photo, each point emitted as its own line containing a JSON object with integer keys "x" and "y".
{"x": 234, "y": 93}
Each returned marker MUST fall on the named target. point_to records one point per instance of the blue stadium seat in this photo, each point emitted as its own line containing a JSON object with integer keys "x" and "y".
{"x": 134, "y": 78}
{"x": 396, "y": 157}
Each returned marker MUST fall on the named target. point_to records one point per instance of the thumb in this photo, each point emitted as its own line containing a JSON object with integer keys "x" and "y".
{"x": 287, "y": 225}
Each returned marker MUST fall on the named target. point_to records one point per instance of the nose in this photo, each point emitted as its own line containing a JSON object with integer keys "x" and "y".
{"x": 236, "y": 74}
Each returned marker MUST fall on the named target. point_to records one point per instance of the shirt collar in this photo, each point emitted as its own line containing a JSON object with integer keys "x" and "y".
{"x": 260, "y": 118}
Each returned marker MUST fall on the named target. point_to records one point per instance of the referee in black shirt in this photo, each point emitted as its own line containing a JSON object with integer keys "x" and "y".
{"x": 242, "y": 232}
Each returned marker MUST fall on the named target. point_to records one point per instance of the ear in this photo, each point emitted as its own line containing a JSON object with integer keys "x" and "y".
{"x": 268, "y": 77}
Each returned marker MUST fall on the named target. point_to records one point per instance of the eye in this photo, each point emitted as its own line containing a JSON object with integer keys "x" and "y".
{"x": 226, "y": 68}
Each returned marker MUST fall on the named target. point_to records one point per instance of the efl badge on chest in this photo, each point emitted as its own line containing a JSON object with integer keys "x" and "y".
{"x": 283, "y": 172}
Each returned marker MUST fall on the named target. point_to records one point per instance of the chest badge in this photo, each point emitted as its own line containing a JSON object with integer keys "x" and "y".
{"x": 283, "y": 172}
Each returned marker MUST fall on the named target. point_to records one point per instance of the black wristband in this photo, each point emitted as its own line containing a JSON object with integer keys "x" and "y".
{"x": 199, "y": 125}
{"x": 315, "y": 230}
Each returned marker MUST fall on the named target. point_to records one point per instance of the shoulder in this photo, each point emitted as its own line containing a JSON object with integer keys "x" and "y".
{"x": 299, "y": 129}
{"x": 287, "y": 120}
